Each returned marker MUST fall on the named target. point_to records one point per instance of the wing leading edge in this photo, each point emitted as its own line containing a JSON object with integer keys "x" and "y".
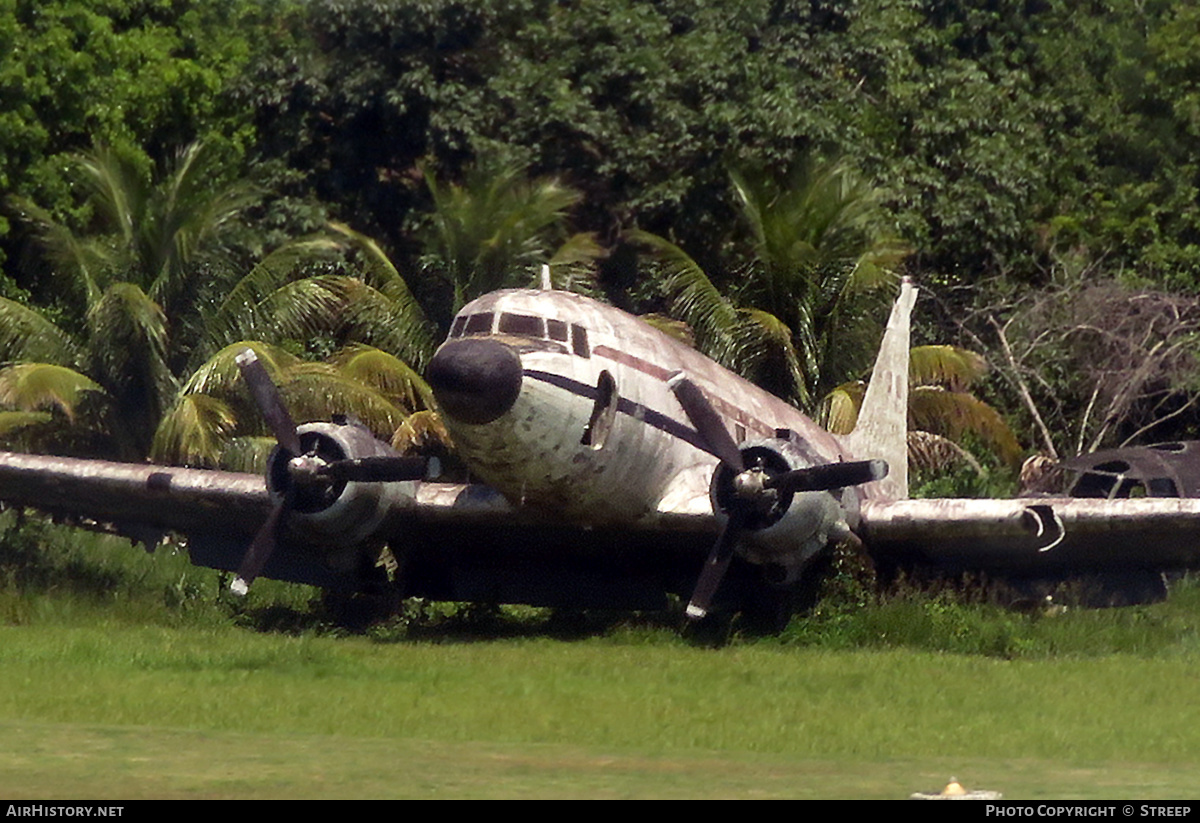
{"x": 193, "y": 501}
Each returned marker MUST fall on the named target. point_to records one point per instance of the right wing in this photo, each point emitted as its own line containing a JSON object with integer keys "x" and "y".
{"x": 1034, "y": 535}
{"x": 193, "y": 501}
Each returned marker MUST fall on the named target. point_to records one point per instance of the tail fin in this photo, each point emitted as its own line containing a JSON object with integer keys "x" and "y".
{"x": 882, "y": 429}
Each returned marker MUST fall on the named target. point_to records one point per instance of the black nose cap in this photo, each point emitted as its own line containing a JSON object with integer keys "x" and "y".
{"x": 475, "y": 381}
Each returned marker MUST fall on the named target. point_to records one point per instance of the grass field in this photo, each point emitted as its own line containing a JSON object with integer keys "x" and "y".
{"x": 126, "y": 676}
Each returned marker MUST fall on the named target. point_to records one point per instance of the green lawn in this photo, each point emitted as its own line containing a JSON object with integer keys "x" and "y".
{"x": 175, "y": 711}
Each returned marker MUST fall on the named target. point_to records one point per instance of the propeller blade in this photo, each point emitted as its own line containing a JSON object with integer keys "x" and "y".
{"x": 704, "y": 417}
{"x": 829, "y": 476}
{"x": 383, "y": 469}
{"x": 270, "y": 404}
{"x": 261, "y": 547}
{"x": 714, "y": 568}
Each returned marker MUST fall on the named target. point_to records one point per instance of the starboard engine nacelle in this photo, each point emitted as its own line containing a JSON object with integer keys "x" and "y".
{"x": 775, "y": 499}
{"x": 785, "y": 524}
{"x": 328, "y": 509}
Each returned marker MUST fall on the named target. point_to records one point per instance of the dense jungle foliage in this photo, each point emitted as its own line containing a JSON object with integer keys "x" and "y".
{"x": 332, "y": 178}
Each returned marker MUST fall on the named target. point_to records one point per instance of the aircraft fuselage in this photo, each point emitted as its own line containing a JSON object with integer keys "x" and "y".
{"x": 569, "y": 410}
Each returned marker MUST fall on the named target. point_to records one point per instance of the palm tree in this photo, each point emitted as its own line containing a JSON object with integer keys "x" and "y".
{"x": 215, "y": 423}
{"x": 161, "y": 314}
{"x": 340, "y": 288}
{"x": 497, "y": 227}
{"x": 942, "y": 411}
{"x": 336, "y": 291}
{"x": 126, "y": 290}
{"x": 817, "y": 242}
{"x": 159, "y": 341}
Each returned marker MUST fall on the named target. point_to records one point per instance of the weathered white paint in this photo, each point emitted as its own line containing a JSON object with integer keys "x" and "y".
{"x": 533, "y": 453}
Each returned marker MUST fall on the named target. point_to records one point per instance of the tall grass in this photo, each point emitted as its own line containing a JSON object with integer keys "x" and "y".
{"x": 55, "y": 575}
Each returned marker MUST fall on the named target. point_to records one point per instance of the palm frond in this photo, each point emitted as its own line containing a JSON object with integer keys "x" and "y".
{"x": 30, "y": 387}
{"x": 671, "y": 327}
{"x": 817, "y": 230}
{"x": 77, "y": 264}
{"x": 839, "y": 409}
{"x": 953, "y": 414}
{"x": 220, "y": 375}
{"x": 876, "y": 268}
{"x": 194, "y": 432}
{"x": 947, "y": 366}
{"x": 694, "y": 299}
{"x": 422, "y": 430}
{"x": 573, "y": 265}
{"x": 369, "y": 316}
{"x": 243, "y": 311}
{"x": 762, "y": 338}
{"x": 128, "y": 333}
{"x": 26, "y": 334}
{"x": 317, "y": 391}
{"x": 931, "y": 452}
{"x": 119, "y": 191}
{"x": 408, "y": 318}
{"x": 313, "y": 306}
{"x": 493, "y": 226}
{"x": 189, "y": 222}
{"x": 387, "y": 374}
{"x": 246, "y": 454}
{"x": 807, "y": 343}
{"x": 15, "y": 422}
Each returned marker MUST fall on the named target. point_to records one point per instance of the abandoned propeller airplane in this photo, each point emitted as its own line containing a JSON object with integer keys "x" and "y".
{"x": 614, "y": 458}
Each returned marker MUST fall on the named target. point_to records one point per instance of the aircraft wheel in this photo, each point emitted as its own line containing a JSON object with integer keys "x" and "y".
{"x": 711, "y": 631}
{"x": 358, "y": 611}
{"x": 769, "y": 610}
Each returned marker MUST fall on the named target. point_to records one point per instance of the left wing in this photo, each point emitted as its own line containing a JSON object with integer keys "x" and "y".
{"x": 1036, "y": 535}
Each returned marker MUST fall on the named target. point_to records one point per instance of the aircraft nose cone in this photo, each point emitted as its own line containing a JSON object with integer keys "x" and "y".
{"x": 475, "y": 381}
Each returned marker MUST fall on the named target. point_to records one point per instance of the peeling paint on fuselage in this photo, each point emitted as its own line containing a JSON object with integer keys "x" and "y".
{"x": 534, "y": 455}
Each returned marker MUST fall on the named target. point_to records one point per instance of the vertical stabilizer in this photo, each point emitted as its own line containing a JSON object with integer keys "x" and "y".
{"x": 882, "y": 429}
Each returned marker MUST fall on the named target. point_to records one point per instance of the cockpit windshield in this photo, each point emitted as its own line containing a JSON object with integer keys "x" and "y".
{"x": 523, "y": 325}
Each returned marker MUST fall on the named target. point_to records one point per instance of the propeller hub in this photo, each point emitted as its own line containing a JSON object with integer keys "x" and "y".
{"x": 304, "y": 476}
{"x": 748, "y": 492}
{"x": 751, "y": 483}
{"x": 308, "y": 469}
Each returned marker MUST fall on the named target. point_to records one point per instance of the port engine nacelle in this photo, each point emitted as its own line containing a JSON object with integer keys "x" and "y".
{"x": 332, "y": 511}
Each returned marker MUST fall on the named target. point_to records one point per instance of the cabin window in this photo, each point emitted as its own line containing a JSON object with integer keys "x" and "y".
{"x": 479, "y": 323}
{"x": 1163, "y": 487}
{"x": 460, "y": 323}
{"x": 579, "y": 341}
{"x": 604, "y": 411}
{"x": 557, "y": 329}
{"x": 522, "y": 325}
